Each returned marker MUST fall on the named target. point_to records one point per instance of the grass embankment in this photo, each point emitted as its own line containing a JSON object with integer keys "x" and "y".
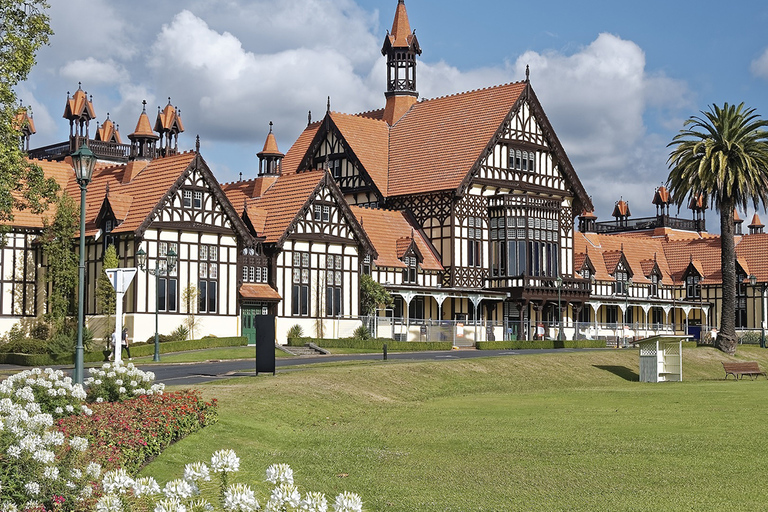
{"x": 211, "y": 354}
{"x": 566, "y": 431}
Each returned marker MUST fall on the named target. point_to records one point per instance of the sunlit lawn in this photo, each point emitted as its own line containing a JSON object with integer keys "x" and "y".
{"x": 564, "y": 431}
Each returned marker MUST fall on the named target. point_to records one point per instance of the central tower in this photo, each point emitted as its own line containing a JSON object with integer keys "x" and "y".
{"x": 400, "y": 47}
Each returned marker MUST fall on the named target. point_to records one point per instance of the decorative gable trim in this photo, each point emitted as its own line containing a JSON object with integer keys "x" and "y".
{"x": 199, "y": 164}
{"x": 357, "y": 230}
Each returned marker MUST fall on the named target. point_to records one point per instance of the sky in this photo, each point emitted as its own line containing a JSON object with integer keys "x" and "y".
{"x": 616, "y": 79}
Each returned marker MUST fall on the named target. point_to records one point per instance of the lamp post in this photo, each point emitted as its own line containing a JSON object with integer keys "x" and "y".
{"x": 170, "y": 260}
{"x": 83, "y": 161}
{"x": 559, "y": 310}
{"x": 763, "y": 286}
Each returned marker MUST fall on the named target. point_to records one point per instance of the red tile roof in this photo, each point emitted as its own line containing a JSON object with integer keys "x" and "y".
{"x": 145, "y": 190}
{"x": 369, "y": 140}
{"x": 62, "y": 172}
{"x": 436, "y": 144}
{"x": 388, "y": 230}
{"x": 296, "y": 153}
{"x": 78, "y": 105}
{"x": 259, "y": 291}
{"x": 283, "y": 201}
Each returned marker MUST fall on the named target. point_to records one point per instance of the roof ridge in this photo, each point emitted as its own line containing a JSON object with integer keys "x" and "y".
{"x": 498, "y": 86}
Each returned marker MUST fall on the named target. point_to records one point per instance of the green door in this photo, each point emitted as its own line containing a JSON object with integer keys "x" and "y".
{"x": 247, "y": 314}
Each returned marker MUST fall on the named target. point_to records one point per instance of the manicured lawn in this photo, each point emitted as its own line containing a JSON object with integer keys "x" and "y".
{"x": 566, "y": 431}
{"x": 207, "y": 355}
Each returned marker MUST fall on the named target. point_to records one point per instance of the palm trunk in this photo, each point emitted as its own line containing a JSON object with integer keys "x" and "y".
{"x": 726, "y": 338}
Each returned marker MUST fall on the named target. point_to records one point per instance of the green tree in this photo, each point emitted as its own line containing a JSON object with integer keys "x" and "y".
{"x": 58, "y": 246}
{"x": 372, "y": 296}
{"x": 24, "y": 28}
{"x": 106, "y": 297}
{"x": 722, "y": 157}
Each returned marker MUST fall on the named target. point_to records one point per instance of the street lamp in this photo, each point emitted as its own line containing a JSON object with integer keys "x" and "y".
{"x": 753, "y": 282}
{"x": 170, "y": 260}
{"x": 559, "y": 310}
{"x": 83, "y": 161}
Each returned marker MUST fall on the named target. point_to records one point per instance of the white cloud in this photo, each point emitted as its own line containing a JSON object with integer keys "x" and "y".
{"x": 597, "y": 100}
{"x": 760, "y": 65}
{"x": 96, "y": 71}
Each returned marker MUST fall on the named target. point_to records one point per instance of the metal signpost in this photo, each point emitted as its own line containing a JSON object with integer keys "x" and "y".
{"x": 121, "y": 279}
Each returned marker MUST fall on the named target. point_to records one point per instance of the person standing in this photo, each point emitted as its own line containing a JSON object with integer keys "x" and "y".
{"x": 124, "y": 342}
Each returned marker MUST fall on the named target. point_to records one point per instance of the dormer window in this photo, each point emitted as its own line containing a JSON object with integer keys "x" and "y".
{"x": 621, "y": 286}
{"x": 654, "y": 289}
{"x": 409, "y": 273}
{"x": 693, "y": 286}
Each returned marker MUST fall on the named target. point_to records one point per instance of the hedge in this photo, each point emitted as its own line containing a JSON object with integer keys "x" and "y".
{"x": 136, "y": 351}
{"x": 524, "y": 344}
{"x": 372, "y": 344}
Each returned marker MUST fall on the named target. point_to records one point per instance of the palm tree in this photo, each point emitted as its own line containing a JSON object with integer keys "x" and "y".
{"x": 722, "y": 156}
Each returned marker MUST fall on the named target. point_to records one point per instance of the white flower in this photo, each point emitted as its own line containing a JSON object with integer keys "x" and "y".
{"x": 197, "y": 471}
{"x": 58, "y": 410}
{"x": 118, "y": 382}
{"x": 116, "y": 481}
{"x": 225, "y": 461}
{"x": 32, "y": 488}
{"x": 99, "y": 400}
{"x": 79, "y": 444}
{"x": 109, "y": 503}
{"x": 314, "y": 502}
{"x": 121, "y": 390}
{"x": 7, "y": 506}
{"x": 44, "y": 456}
{"x": 200, "y": 505}
{"x": 93, "y": 470}
{"x": 76, "y": 473}
{"x": 145, "y": 486}
{"x": 181, "y": 489}
{"x": 348, "y": 502}
{"x": 240, "y": 498}
{"x": 14, "y": 451}
{"x": 69, "y": 408}
{"x": 170, "y": 505}
{"x": 283, "y": 496}
{"x": 279, "y": 473}
{"x": 51, "y": 473}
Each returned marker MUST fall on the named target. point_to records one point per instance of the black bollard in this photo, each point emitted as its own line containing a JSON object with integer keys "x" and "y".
{"x": 385, "y": 351}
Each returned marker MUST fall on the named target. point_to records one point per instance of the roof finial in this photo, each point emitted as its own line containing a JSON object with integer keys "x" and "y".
{"x": 309, "y": 118}
{"x": 79, "y": 86}
{"x": 169, "y": 100}
{"x": 270, "y": 127}
{"x": 527, "y": 73}
{"x": 144, "y": 107}
{"x": 197, "y": 144}
{"x": 241, "y": 175}
{"x": 328, "y": 105}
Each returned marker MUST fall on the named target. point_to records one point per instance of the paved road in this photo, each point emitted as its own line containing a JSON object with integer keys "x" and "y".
{"x": 182, "y": 374}
{"x": 195, "y": 373}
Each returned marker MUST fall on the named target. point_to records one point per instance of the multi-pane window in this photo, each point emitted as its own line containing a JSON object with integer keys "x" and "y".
{"x": 197, "y": 199}
{"x": 693, "y": 286}
{"x": 254, "y": 274}
{"x": 168, "y": 286}
{"x": 657, "y": 316}
{"x": 474, "y": 242}
{"x": 322, "y": 212}
{"x": 333, "y": 285}
{"x": 367, "y": 264}
{"x": 187, "y": 195}
{"x": 654, "y": 289}
{"x": 621, "y": 286}
{"x": 409, "y": 272}
{"x": 612, "y": 314}
{"x": 300, "y": 290}
{"x": 208, "y": 273}
{"x": 334, "y": 166}
{"x": 522, "y": 160}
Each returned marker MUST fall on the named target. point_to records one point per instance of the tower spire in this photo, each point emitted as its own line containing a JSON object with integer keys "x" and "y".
{"x": 401, "y": 48}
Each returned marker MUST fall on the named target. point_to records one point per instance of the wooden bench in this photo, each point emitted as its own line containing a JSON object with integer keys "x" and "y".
{"x": 738, "y": 370}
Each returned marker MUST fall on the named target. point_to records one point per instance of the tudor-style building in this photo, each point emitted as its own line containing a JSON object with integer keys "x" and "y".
{"x": 150, "y": 198}
{"x": 481, "y": 174}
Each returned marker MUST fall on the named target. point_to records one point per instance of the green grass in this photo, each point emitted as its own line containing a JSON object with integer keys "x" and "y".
{"x": 565, "y": 431}
{"x": 210, "y": 354}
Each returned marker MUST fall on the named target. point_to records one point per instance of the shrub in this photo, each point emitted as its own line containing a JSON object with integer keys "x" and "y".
{"x": 181, "y": 333}
{"x": 748, "y": 337}
{"x": 115, "y": 382}
{"x": 296, "y": 331}
{"x": 128, "y": 434}
{"x": 362, "y": 333}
